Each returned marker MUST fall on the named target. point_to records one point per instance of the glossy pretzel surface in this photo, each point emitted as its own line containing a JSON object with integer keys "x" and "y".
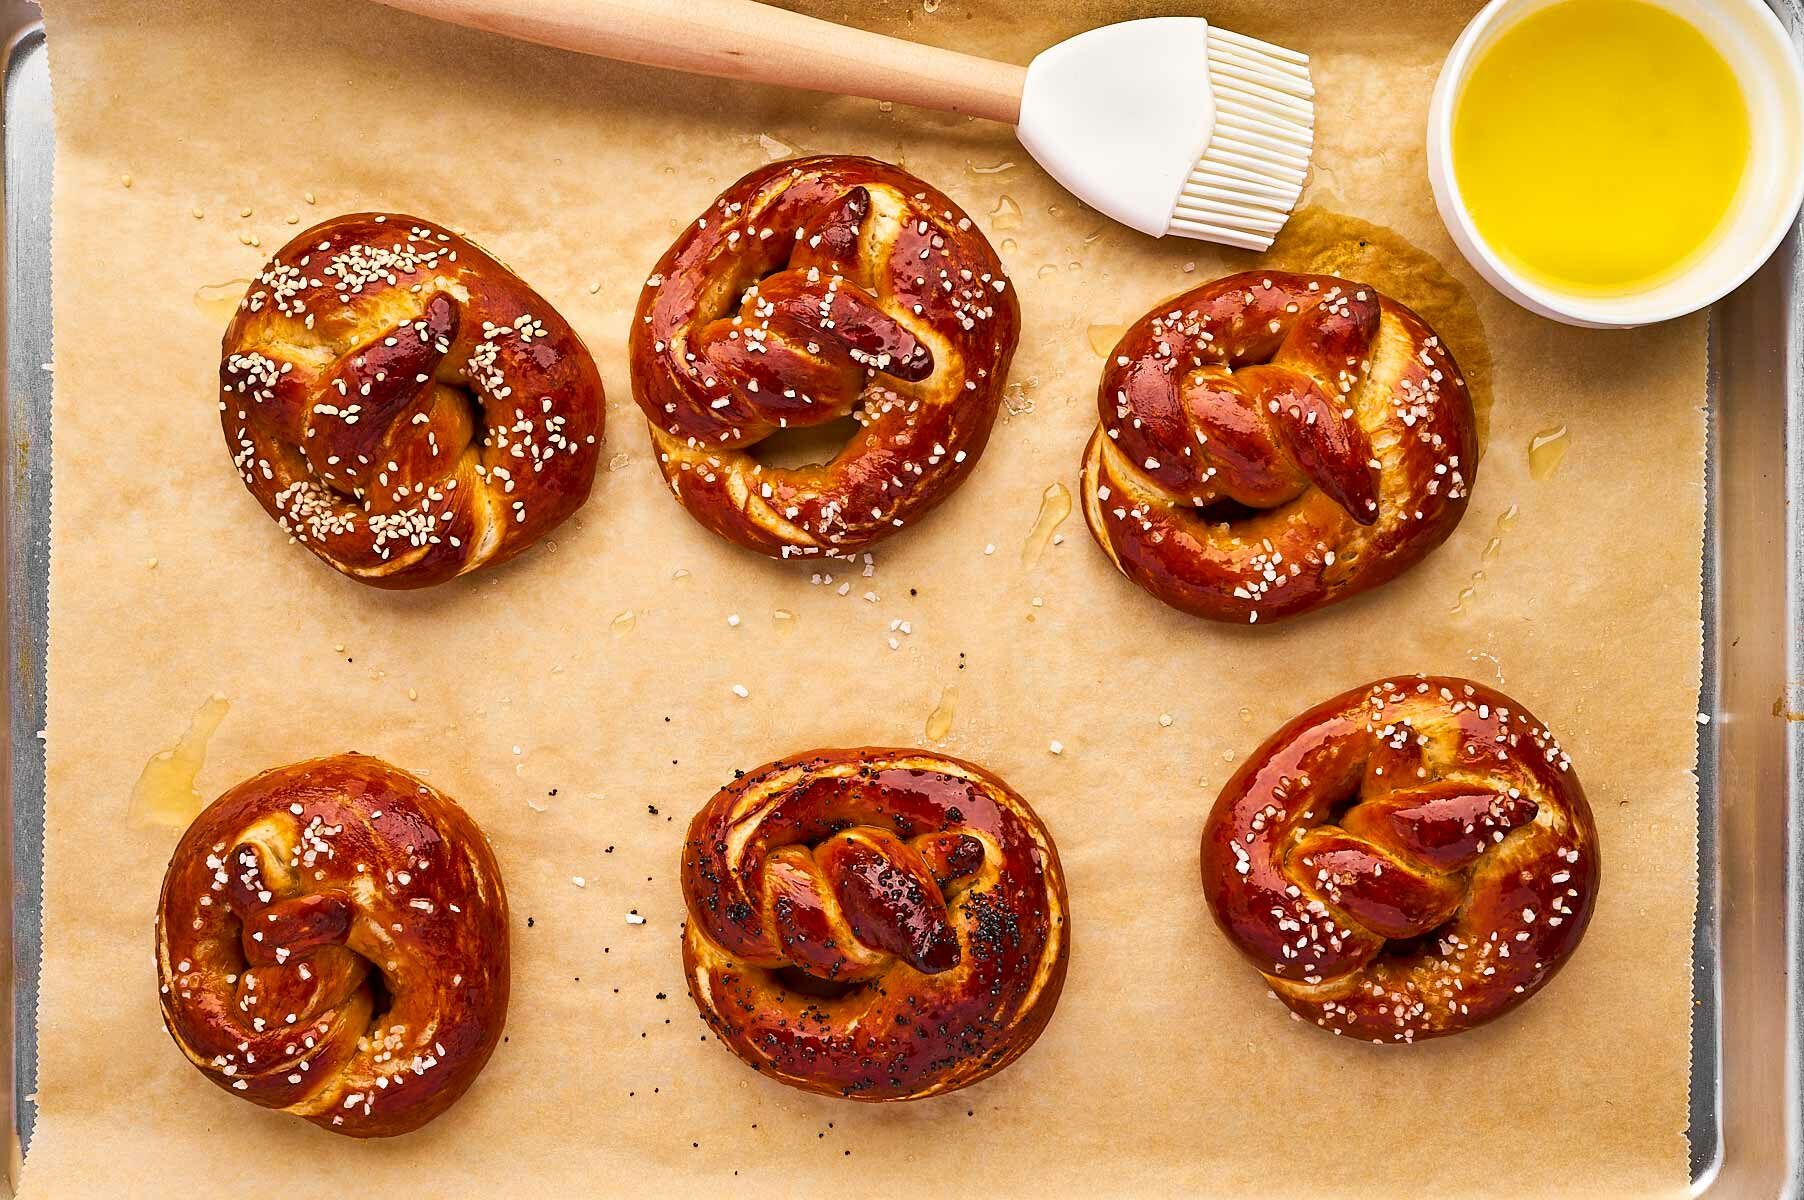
{"x": 332, "y": 941}
{"x": 1269, "y": 443}
{"x": 1407, "y": 860}
{"x": 810, "y": 290}
{"x": 875, "y": 924}
{"x": 403, "y": 405}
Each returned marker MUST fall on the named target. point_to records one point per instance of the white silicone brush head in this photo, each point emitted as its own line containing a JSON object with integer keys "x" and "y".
{"x": 1171, "y": 126}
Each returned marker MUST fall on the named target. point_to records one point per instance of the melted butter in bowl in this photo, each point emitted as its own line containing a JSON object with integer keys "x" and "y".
{"x": 1600, "y": 145}
{"x": 1618, "y": 162}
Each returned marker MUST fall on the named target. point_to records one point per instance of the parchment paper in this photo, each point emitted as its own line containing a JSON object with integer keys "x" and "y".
{"x": 583, "y": 750}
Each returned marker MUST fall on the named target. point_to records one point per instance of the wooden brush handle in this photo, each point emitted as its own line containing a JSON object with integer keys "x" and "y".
{"x": 740, "y": 39}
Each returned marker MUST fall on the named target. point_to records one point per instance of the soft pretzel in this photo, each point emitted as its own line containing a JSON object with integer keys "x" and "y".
{"x": 874, "y": 924}
{"x": 809, "y": 290}
{"x": 1405, "y": 861}
{"x": 1270, "y": 443}
{"x": 405, "y": 406}
{"x": 332, "y": 942}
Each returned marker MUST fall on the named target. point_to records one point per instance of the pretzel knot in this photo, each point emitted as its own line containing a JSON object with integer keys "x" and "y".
{"x": 811, "y": 290}
{"x": 1270, "y": 443}
{"x": 1407, "y": 860}
{"x": 332, "y": 941}
{"x": 405, "y": 406}
{"x": 875, "y": 924}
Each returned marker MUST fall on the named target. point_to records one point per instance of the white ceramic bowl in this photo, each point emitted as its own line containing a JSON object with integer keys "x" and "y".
{"x": 1756, "y": 45}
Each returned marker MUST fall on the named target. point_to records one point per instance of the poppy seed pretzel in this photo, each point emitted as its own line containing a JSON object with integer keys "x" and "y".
{"x": 1271, "y": 443}
{"x": 405, "y": 406}
{"x": 810, "y": 290}
{"x": 332, "y": 941}
{"x": 1407, "y": 860}
{"x": 874, "y": 924}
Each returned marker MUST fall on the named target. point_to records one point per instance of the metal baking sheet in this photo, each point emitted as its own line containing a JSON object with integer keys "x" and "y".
{"x": 25, "y": 539}
{"x": 1746, "y": 1131}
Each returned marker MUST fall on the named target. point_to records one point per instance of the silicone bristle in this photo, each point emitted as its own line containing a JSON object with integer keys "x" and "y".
{"x": 1243, "y": 188}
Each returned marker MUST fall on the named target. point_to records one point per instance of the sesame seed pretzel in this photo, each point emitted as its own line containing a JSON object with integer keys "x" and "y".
{"x": 332, "y": 942}
{"x": 1407, "y": 860}
{"x": 810, "y": 290}
{"x": 1270, "y": 443}
{"x": 874, "y": 924}
{"x": 405, "y": 406}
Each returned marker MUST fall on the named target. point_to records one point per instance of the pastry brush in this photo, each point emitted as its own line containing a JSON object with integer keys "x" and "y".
{"x": 1167, "y": 124}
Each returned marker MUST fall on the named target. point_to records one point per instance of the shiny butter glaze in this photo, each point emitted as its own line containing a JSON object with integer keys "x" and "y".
{"x": 1269, "y": 443}
{"x": 287, "y": 898}
{"x": 1407, "y": 860}
{"x": 811, "y": 289}
{"x": 405, "y": 406}
{"x": 875, "y": 924}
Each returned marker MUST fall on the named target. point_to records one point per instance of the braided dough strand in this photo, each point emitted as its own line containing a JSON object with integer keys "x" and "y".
{"x": 1407, "y": 860}
{"x": 1269, "y": 443}
{"x": 332, "y": 941}
{"x": 405, "y": 406}
{"x": 874, "y": 924}
{"x": 811, "y": 290}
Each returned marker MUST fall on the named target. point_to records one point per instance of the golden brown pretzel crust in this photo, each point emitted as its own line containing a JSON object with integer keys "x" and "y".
{"x": 874, "y": 924}
{"x": 405, "y": 406}
{"x": 1405, "y": 861}
{"x": 286, "y": 901}
{"x": 809, "y": 290}
{"x": 1270, "y": 443}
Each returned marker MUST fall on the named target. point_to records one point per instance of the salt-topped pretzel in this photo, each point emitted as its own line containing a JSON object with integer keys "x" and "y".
{"x": 1270, "y": 443}
{"x": 874, "y": 924}
{"x": 1407, "y": 860}
{"x": 332, "y": 942}
{"x": 405, "y": 406}
{"x": 810, "y": 290}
